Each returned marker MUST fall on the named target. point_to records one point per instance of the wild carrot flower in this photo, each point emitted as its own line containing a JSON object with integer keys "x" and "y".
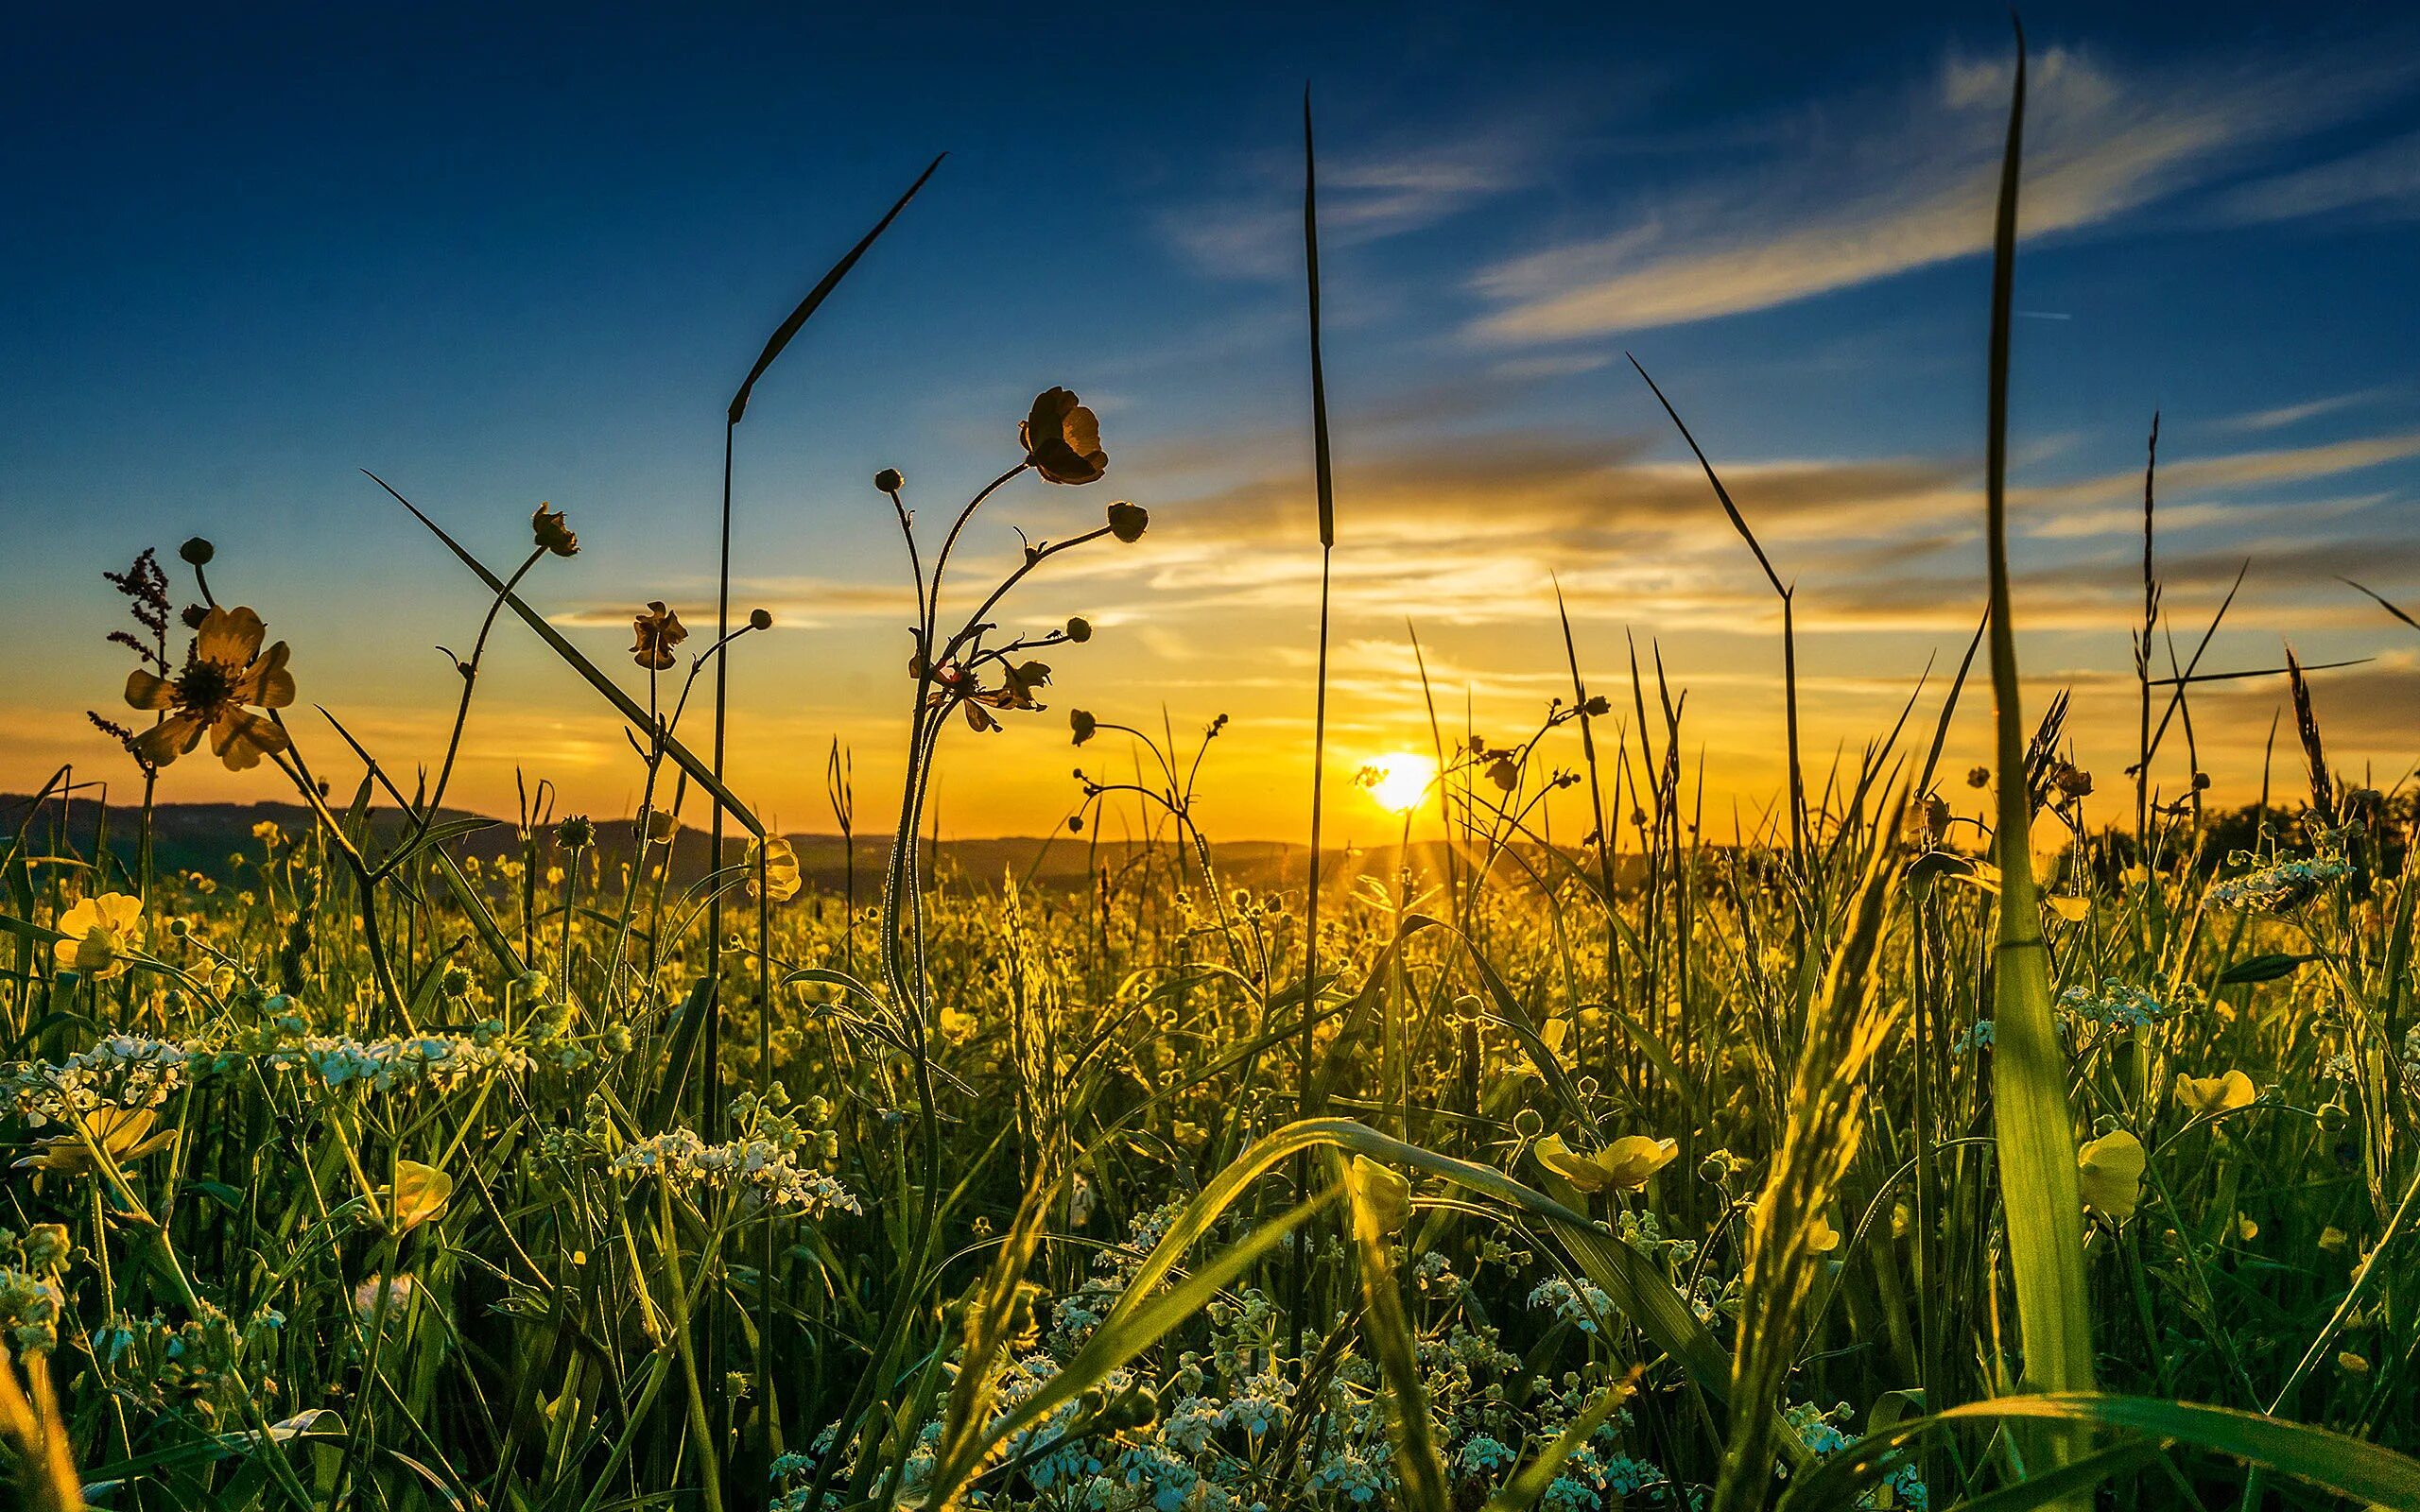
{"x": 657, "y": 631}
{"x": 99, "y": 933}
{"x": 1061, "y": 440}
{"x": 225, "y": 670}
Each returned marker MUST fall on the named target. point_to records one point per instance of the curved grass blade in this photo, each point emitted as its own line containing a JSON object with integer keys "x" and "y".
{"x": 698, "y": 771}
{"x": 822, "y": 291}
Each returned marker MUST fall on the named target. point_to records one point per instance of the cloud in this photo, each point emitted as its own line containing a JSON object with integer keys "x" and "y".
{"x": 2111, "y": 503}
{"x": 2286, "y": 416}
{"x": 1256, "y": 230}
{"x": 2382, "y": 180}
{"x": 1880, "y": 186}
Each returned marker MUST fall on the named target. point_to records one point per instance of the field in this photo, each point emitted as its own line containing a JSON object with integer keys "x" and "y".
{"x": 406, "y": 1159}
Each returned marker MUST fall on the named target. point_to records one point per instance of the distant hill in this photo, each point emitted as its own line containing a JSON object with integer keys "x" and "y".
{"x": 206, "y": 838}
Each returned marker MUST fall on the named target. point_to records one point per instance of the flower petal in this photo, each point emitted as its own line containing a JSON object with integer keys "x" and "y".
{"x": 267, "y": 684}
{"x": 169, "y": 739}
{"x": 146, "y": 690}
{"x": 228, "y": 636}
{"x": 241, "y": 739}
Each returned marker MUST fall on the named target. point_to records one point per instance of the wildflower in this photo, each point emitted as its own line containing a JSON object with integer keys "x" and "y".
{"x": 1621, "y": 1166}
{"x": 1082, "y": 723}
{"x": 1382, "y": 1192}
{"x": 2332, "y": 1239}
{"x": 1927, "y": 820}
{"x": 2351, "y": 1363}
{"x": 658, "y": 631}
{"x": 399, "y": 1293}
{"x": 661, "y": 826}
{"x": 1978, "y": 777}
{"x": 100, "y": 932}
{"x": 1061, "y": 440}
{"x": 2279, "y": 888}
{"x": 225, "y": 670}
{"x": 1128, "y": 521}
{"x": 889, "y": 480}
{"x": 2216, "y": 1094}
{"x": 420, "y": 1194}
{"x": 1080, "y": 629}
{"x": 2109, "y": 1172}
{"x": 2070, "y": 781}
{"x": 123, "y": 1134}
{"x": 2113, "y": 1006}
{"x": 552, "y": 533}
{"x": 577, "y": 832}
{"x": 776, "y": 861}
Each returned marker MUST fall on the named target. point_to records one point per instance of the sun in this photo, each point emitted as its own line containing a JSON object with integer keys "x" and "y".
{"x": 1399, "y": 781}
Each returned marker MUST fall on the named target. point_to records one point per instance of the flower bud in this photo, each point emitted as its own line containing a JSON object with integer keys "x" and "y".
{"x": 198, "y": 551}
{"x": 1127, "y": 521}
{"x": 1080, "y": 629}
{"x": 889, "y": 480}
{"x": 759, "y": 619}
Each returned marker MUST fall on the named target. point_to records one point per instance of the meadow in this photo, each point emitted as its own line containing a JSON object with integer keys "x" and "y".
{"x": 1876, "y": 1157}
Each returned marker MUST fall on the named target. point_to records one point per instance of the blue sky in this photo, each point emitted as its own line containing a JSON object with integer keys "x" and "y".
{"x": 508, "y": 254}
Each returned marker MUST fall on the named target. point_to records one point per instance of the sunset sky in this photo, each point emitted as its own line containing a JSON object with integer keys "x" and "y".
{"x": 500, "y": 255}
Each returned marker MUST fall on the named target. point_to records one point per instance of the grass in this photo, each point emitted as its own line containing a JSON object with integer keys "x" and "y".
{"x": 1852, "y": 1163}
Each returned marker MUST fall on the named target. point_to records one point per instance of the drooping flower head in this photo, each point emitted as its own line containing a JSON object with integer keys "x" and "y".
{"x": 1061, "y": 440}
{"x": 657, "y": 631}
{"x": 100, "y": 932}
{"x": 225, "y": 672}
{"x": 552, "y": 532}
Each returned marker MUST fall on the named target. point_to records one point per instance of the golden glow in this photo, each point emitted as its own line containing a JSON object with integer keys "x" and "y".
{"x": 1398, "y": 782}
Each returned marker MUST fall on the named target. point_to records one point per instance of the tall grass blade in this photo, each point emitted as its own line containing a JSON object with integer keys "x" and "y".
{"x": 2034, "y": 1128}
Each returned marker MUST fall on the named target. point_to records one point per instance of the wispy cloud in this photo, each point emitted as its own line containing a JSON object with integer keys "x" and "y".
{"x": 1255, "y": 229}
{"x": 2381, "y": 180}
{"x": 1881, "y": 185}
{"x": 2284, "y": 416}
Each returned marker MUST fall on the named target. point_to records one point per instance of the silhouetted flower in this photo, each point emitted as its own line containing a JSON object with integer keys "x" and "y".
{"x": 1127, "y": 522}
{"x": 658, "y": 631}
{"x": 552, "y": 533}
{"x": 225, "y": 670}
{"x": 1061, "y": 440}
{"x": 1081, "y": 722}
{"x": 889, "y": 480}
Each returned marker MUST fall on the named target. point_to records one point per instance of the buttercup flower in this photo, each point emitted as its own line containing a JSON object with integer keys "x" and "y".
{"x": 657, "y": 631}
{"x": 225, "y": 670}
{"x": 553, "y": 533}
{"x": 1081, "y": 722}
{"x": 1621, "y": 1166}
{"x": 2109, "y": 1172}
{"x": 420, "y": 1194}
{"x": 2216, "y": 1094}
{"x": 100, "y": 930}
{"x": 781, "y": 868}
{"x": 1061, "y": 440}
{"x": 1128, "y": 521}
{"x": 123, "y": 1133}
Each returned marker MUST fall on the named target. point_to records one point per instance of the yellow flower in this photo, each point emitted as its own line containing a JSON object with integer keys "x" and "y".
{"x": 781, "y": 868}
{"x": 2070, "y": 908}
{"x": 2109, "y": 1171}
{"x": 225, "y": 670}
{"x": 1821, "y": 1238}
{"x": 658, "y": 631}
{"x": 2332, "y": 1239}
{"x": 2351, "y": 1363}
{"x": 1621, "y": 1166}
{"x": 123, "y": 1133}
{"x": 2216, "y": 1094}
{"x": 1061, "y": 440}
{"x": 100, "y": 932}
{"x": 1381, "y": 1194}
{"x": 420, "y": 1194}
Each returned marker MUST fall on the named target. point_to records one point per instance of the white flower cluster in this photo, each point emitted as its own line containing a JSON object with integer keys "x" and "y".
{"x": 2279, "y": 889}
{"x": 441, "y": 1063}
{"x": 122, "y": 1071}
{"x": 763, "y": 1173}
{"x": 2113, "y": 1005}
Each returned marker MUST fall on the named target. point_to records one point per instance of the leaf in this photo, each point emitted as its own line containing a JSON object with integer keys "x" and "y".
{"x": 1381, "y": 1204}
{"x": 2267, "y": 968}
{"x": 2349, "y": 1467}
